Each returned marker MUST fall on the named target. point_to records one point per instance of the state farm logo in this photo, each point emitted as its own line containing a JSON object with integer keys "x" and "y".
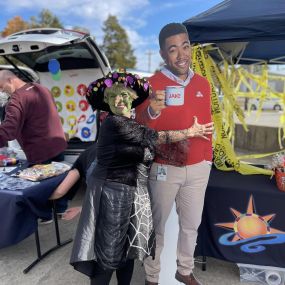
{"x": 175, "y": 95}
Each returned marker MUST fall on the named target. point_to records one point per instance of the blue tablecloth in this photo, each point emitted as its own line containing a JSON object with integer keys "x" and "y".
{"x": 243, "y": 220}
{"x": 19, "y": 210}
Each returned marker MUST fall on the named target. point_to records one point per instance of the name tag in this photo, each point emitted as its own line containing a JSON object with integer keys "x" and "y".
{"x": 161, "y": 173}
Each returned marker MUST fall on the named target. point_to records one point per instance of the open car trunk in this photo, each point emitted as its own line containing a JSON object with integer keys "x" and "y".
{"x": 65, "y": 62}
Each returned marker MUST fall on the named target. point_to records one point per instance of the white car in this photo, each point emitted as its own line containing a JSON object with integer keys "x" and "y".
{"x": 268, "y": 104}
{"x": 66, "y": 62}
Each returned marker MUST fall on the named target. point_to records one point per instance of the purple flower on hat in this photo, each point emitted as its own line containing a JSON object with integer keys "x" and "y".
{"x": 115, "y": 75}
{"x": 145, "y": 86}
{"x": 130, "y": 79}
{"x": 108, "y": 82}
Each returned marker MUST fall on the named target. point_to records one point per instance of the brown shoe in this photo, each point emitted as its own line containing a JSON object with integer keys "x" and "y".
{"x": 187, "y": 279}
{"x": 150, "y": 283}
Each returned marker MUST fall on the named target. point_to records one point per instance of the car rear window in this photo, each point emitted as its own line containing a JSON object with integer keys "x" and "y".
{"x": 75, "y": 56}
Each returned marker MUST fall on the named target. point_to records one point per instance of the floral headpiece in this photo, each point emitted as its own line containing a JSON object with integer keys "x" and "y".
{"x": 95, "y": 92}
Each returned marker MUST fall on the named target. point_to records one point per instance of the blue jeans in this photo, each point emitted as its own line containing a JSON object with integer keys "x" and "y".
{"x": 61, "y": 205}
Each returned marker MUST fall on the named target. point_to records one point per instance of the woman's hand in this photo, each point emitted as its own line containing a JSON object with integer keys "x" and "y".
{"x": 71, "y": 213}
{"x": 200, "y": 130}
{"x": 157, "y": 101}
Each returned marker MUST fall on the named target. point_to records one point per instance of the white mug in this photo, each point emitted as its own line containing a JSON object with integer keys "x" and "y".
{"x": 174, "y": 95}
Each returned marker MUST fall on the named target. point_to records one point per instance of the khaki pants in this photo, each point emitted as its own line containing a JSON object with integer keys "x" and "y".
{"x": 186, "y": 186}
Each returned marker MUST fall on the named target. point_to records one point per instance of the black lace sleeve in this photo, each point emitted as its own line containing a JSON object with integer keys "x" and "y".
{"x": 128, "y": 131}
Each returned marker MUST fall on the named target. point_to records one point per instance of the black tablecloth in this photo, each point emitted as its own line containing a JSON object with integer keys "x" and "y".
{"x": 19, "y": 210}
{"x": 243, "y": 220}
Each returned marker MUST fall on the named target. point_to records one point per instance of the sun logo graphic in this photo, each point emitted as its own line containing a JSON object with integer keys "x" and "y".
{"x": 249, "y": 227}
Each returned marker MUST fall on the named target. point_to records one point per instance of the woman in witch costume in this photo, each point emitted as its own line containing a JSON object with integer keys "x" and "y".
{"x": 115, "y": 225}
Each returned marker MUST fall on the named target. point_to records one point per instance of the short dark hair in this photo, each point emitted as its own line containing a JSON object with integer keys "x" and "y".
{"x": 169, "y": 30}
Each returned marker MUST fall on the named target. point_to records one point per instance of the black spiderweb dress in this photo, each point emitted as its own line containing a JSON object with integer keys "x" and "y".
{"x": 116, "y": 221}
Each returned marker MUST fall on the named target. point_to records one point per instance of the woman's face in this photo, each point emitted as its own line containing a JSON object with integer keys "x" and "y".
{"x": 120, "y": 102}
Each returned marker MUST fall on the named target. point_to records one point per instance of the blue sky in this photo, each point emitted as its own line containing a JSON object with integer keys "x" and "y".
{"x": 142, "y": 19}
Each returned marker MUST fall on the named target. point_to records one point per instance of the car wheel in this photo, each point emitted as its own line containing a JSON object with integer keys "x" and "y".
{"x": 277, "y": 107}
{"x": 253, "y": 108}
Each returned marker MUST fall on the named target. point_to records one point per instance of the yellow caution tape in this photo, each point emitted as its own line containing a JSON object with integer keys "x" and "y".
{"x": 224, "y": 155}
